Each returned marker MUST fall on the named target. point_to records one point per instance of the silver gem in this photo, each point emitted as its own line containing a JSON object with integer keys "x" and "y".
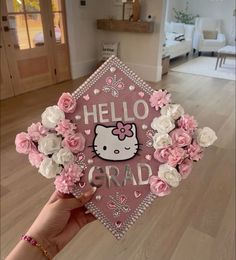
{"x": 131, "y": 88}
{"x": 112, "y": 69}
{"x": 90, "y": 161}
{"x": 144, "y": 127}
{"x": 96, "y": 91}
{"x": 98, "y": 197}
{"x": 77, "y": 117}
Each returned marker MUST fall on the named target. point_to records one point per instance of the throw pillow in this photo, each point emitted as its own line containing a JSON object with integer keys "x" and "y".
{"x": 180, "y": 37}
{"x": 109, "y": 49}
{"x": 210, "y": 35}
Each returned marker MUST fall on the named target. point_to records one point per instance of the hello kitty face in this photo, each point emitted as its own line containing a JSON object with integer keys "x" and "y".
{"x": 116, "y": 143}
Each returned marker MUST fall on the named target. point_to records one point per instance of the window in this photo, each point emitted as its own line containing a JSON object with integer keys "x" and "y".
{"x": 25, "y": 23}
{"x": 58, "y": 22}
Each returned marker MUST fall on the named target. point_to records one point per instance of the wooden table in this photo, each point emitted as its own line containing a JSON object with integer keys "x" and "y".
{"x": 227, "y": 51}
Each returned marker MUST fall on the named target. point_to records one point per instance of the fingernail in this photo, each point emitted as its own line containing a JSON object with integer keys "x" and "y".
{"x": 90, "y": 192}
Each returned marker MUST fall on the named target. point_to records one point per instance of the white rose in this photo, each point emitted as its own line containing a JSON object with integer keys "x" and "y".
{"x": 174, "y": 111}
{"x": 169, "y": 175}
{"x": 48, "y": 168}
{"x": 49, "y": 144}
{"x": 161, "y": 141}
{"x": 163, "y": 124}
{"x": 206, "y": 136}
{"x": 51, "y": 116}
{"x": 63, "y": 156}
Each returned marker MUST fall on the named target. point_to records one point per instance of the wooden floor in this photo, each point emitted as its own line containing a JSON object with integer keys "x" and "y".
{"x": 195, "y": 222}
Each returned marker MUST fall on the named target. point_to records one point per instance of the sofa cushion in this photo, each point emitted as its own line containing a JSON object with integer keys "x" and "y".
{"x": 210, "y": 35}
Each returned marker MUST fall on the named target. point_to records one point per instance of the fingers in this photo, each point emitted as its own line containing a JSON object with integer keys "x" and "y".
{"x": 73, "y": 203}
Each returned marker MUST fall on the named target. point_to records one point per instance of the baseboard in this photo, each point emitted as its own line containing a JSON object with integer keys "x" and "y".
{"x": 146, "y": 72}
{"x": 83, "y": 68}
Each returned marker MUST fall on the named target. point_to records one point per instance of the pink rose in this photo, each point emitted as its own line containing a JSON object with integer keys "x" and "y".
{"x": 65, "y": 182}
{"x": 180, "y": 137}
{"x": 159, "y": 99}
{"x": 24, "y": 143}
{"x": 158, "y": 187}
{"x": 67, "y": 103}
{"x": 188, "y": 123}
{"x": 195, "y": 151}
{"x": 36, "y": 131}
{"x": 75, "y": 143}
{"x": 65, "y": 127}
{"x": 185, "y": 168}
{"x": 176, "y": 156}
{"x": 35, "y": 158}
{"x": 73, "y": 170}
{"x": 162, "y": 155}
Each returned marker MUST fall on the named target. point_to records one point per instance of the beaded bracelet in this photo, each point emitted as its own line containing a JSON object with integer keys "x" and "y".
{"x": 33, "y": 242}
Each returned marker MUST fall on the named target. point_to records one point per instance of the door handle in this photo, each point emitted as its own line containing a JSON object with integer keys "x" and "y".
{"x": 6, "y": 29}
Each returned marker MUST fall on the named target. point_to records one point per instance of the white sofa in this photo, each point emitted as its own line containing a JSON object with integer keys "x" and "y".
{"x": 177, "y": 48}
{"x": 208, "y": 45}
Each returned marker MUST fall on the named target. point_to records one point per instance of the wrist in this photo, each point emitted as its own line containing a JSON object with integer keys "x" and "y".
{"x": 47, "y": 245}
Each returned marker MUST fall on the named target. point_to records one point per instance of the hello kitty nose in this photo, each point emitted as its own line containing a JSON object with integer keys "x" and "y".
{"x": 116, "y": 151}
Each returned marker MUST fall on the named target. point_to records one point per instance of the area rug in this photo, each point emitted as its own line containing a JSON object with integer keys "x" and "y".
{"x": 205, "y": 66}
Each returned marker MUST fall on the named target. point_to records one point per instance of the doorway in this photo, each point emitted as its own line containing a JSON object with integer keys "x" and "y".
{"x": 34, "y": 46}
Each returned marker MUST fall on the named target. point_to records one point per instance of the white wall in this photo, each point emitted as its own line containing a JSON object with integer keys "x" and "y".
{"x": 142, "y": 52}
{"x": 220, "y": 9}
{"x": 81, "y": 23}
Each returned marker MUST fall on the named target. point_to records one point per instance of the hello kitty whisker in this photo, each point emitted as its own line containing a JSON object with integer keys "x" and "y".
{"x": 91, "y": 145}
{"x": 96, "y": 155}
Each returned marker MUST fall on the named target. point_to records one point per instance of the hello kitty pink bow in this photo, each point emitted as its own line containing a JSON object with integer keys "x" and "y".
{"x": 122, "y": 130}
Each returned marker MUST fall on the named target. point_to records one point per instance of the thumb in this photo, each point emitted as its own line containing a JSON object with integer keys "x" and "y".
{"x": 73, "y": 203}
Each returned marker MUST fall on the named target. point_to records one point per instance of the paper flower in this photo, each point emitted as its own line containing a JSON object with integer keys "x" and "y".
{"x": 162, "y": 155}
{"x": 176, "y": 156}
{"x": 163, "y": 124}
{"x": 35, "y": 158}
{"x": 49, "y": 144}
{"x": 52, "y": 116}
{"x": 188, "y": 123}
{"x": 24, "y": 143}
{"x": 180, "y": 137}
{"x": 65, "y": 182}
{"x": 67, "y": 103}
{"x": 158, "y": 186}
{"x": 195, "y": 152}
{"x": 159, "y": 98}
{"x": 169, "y": 175}
{"x": 75, "y": 143}
{"x": 48, "y": 168}
{"x": 36, "y": 131}
{"x": 161, "y": 141}
{"x": 65, "y": 127}
{"x": 63, "y": 156}
{"x": 174, "y": 111}
{"x": 122, "y": 130}
{"x": 206, "y": 136}
{"x": 185, "y": 168}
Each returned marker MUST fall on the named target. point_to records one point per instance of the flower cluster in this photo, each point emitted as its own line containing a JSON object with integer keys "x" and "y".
{"x": 53, "y": 144}
{"x": 178, "y": 142}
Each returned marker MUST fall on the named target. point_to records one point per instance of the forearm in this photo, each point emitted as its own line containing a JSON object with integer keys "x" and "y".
{"x": 24, "y": 250}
